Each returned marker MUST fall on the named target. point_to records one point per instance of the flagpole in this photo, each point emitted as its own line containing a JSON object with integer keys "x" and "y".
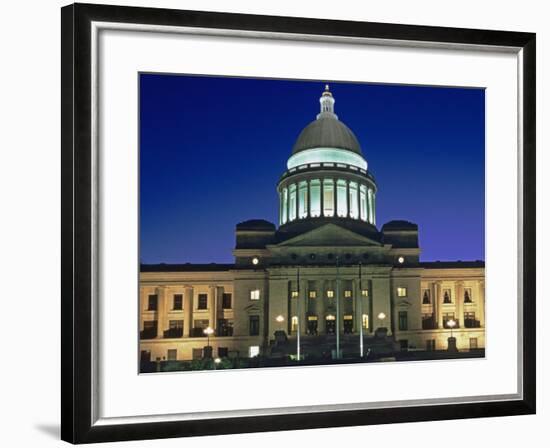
{"x": 360, "y": 312}
{"x": 337, "y": 308}
{"x": 298, "y": 313}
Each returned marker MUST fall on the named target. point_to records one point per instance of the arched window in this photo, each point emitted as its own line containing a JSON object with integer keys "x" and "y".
{"x": 467, "y": 296}
{"x": 446, "y": 296}
{"x": 328, "y": 197}
{"x": 302, "y": 200}
{"x": 363, "y": 202}
{"x": 353, "y": 201}
{"x": 292, "y": 203}
{"x": 426, "y": 298}
{"x": 341, "y": 198}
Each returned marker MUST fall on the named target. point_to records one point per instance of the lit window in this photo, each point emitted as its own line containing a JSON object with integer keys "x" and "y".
{"x": 294, "y": 294}
{"x": 365, "y": 292}
{"x": 294, "y": 323}
{"x": 292, "y": 203}
{"x": 253, "y": 351}
{"x": 302, "y": 200}
{"x": 328, "y": 197}
{"x": 353, "y": 201}
{"x": 341, "y": 198}
{"x": 426, "y": 297}
{"x": 365, "y": 321}
{"x": 255, "y": 294}
{"x": 330, "y": 293}
{"x": 370, "y": 198}
{"x": 312, "y": 294}
{"x": 284, "y": 201}
{"x": 347, "y": 293}
{"x": 363, "y": 202}
{"x": 315, "y": 199}
{"x": 401, "y": 292}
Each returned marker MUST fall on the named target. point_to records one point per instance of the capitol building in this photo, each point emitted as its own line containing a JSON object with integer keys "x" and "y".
{"x": 325, "y": 282}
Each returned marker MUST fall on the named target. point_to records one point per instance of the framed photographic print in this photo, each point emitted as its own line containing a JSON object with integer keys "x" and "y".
{"x": 268, "y": 223}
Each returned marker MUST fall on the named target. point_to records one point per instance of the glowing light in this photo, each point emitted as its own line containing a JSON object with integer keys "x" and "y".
{"x": 326, "y": 155}
{"x": 401, "y": 260}
{"x": 255, "y": 260}
{"x": 217, "y": 360}
{"x": 280, "y": 318}
{"x": 451, "y": 323}
{"x": 208, "y": 331}
{"x": 381, "y": 316}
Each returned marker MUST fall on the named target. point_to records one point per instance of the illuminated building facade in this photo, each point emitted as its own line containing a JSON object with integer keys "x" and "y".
{"x": 324, "y": 282}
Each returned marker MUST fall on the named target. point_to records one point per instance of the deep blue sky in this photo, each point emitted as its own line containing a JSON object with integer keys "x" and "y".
{"x": 212, "y": 150}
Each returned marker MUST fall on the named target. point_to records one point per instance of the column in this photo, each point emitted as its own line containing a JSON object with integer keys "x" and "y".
{"x": 308, "y": 198}
{"x": 433, "y": 300}
{"x": 438, "y": 300}
{"x": 321, "y": 328}
{"x": 481, "y": 302}
{"x": 358, "y": 307}
{"x": 187, "y": 310}
{"x": 304, "y": 305}
{"x": 347, "y": 200}
{"x": 162, "y": 310}
{"x": 322, "y": 198}
{"x": 213, "y": 305}
{"x": 370, "y": 307}
{"x": 459, "y": 288}
{"x": 382, "y": 296}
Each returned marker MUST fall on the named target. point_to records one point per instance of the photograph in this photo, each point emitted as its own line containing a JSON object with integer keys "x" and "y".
{"x": 289, "y": 222}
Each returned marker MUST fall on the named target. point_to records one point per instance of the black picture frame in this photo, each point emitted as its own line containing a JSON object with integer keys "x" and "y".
{"x": 76, "y": 281}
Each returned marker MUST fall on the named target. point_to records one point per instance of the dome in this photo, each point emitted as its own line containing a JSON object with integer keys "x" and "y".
{"x": 327, "y": 132}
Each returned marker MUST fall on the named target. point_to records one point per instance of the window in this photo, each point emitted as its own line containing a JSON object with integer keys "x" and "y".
{"x": 172, "y": 354}
{"x": 294, "y": 323}
{"x": 467, "y": 295}
{"x": 426, "y": 297}
{"x": 473, "y": 343}
{"x": 312, "y": 325}
{"x": 348, "y": 324}
{"x": 312, "y": 294}
{"x": 470, "y": 320}
{"x": 152, "y": 304}
{"x": 302, "y": 200}
{"x": 315, "y": 192}
{"x": 255, "y": 294}
{"x": 198, "y": 328}
{"x": 363, "y": 202}
{"x": 225, "y": 327}
{"x": 292, "y": 203}
{"x": 365, "y": 321}
{"x": 370, "y": 199}
{"x": 203, "y": 302}
{"x": 284, "y": 206}
{"x": 294, "y": 294}
{"x": 447, "y": 317}
{"x": 341, "y": 198}
{"x": 197, "y": 353}
{"x": 347, "y": 293}
{"x": 353, "y": 201}
{"x": 447, "y": 296}
{"x": 226, "y": 301}
{"x": 175, "y": 329}
{"x": 401, "y": 292}
{"x": 178, "y": 302}
{"x": 330, "y": 293}
{"x": 149, "y": 329}
{"x": 254, "y": 325}
{"x": 253, "y": 351}
{"x": 328, "y": 197}
{"x": 428, "y": 322}
{"x": 403, "y": 321}
{"x": 430, "y": 345}
{"x": 223, "y": 352}
{"x": 365, "y": 292}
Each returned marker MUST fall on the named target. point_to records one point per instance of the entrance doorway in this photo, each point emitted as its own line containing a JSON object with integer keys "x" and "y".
{"x": 312, "y": 325}
{"x": 348, "y": 324}
{"x": 330, "y": 324}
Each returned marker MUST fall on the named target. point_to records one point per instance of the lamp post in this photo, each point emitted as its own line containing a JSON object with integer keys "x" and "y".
{"x": 208, "y": 331}
{"x": 217, "y": 361}
{"x": 451, "y": 347}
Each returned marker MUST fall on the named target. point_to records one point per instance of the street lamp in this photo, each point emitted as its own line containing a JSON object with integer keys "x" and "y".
{"x": 280, "y": 318}
{"x": 208, "y": 331}
{"x": 381, "y": 317}
{"x": 451, "y": 323}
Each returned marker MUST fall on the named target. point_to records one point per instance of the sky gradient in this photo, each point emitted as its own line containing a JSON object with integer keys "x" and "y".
{"x": 212, "y": 150}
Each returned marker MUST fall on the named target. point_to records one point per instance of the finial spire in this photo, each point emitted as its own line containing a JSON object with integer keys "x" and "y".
{"x": 327, "y": 104}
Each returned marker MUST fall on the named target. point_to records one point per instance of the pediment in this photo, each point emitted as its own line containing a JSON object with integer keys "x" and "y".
{"x": 404, "y": 303}
{"x": 329, "y": 235}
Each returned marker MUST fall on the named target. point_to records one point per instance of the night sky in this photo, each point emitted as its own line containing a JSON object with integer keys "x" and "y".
{"x": 212, "y": 150}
